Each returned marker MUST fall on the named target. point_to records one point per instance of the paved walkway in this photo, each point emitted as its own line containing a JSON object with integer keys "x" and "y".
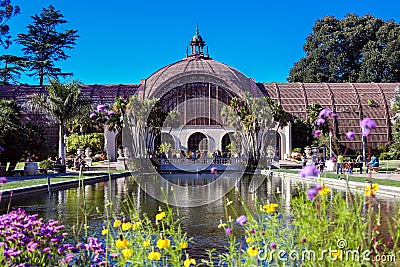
{"x": 390, "y": 175}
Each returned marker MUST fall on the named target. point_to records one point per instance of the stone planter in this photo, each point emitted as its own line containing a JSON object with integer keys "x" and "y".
{"x": 31, "y": 168}
{"x": 330, "y": 165}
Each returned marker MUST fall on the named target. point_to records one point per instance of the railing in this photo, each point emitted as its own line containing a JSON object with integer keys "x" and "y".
{"x": 199, "y": 161}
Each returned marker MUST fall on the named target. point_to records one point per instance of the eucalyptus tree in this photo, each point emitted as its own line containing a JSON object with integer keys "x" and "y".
{"x": 63, "y": 103}
{"x": 250, "y": 117}
{"x": 352, "y": 49}
{"x": 44, "y": 45}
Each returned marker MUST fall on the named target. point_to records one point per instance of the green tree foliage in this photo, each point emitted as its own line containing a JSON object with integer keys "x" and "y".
{"x": 7, "y": 11}
{"x": 63, "y": 103}
{"x": 394, "y": 148}
{"x": 353, "y": 49}
{"x": 17, "y": 137}
{"x": 11, "y": 69}
{"x": 44, "y": 45}
{"x": 94, "y": 141}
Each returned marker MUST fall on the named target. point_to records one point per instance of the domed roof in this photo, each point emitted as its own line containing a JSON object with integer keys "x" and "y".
{"x": 197, "y": 38}
{"x": 197, "y": 69}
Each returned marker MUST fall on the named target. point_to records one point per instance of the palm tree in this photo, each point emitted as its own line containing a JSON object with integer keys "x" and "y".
{"x": 63, "y": 103}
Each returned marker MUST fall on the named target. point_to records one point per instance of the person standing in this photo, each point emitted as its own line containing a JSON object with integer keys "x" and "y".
{"x": 304, "y": 159}
{"x": 359, "y": 162}
{"x": 339, "y": 164}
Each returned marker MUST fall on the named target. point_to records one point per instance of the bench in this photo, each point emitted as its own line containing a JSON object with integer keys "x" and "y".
{"x": 18, "y": 172}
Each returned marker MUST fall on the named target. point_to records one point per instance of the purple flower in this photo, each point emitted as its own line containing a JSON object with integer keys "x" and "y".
{"x": 311, "y": 193}
{"x": 368, "y": 123}
{"x": 334, "y": 115}
{"x": 228, "y": 231}
{"x": 317, "y": 133}
{"x": 272, "y": 245}
{"x": 242, "y": 219}
{"x": 350, "y": 135}
{"x": 324, "y": 112}
{"x": 92, "y": 115}
{"x": 101, "y": 107}
{"x": 110, "y": 112}
{"x": 3, "y": 180}
{"x": 320, "y": 121}
{"x": 366, "y": 132}
{"x": 2, "y": 149}
{"x": 309, "y": 170}
{"x": 318, "y": 187}
{"x": 252, "y": 231}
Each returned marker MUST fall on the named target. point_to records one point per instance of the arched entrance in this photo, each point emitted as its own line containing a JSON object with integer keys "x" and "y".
{"x": 118, "y": 142}
{"x": 226, "y": 140}
{"x": 163, "y": 138}
{"x": 198, "y": 141}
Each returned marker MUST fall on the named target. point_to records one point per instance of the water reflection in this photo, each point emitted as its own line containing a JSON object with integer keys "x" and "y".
{"x": 198, "y": 222}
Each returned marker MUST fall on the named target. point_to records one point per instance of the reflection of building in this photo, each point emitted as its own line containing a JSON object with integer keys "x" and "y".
{"x": 198, "y": 86}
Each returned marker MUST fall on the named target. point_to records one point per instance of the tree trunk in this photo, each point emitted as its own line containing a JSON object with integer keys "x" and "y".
{"x": 61, "y": 143}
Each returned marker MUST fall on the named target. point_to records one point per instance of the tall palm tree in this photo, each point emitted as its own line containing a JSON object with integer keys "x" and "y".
{"x": 63, "y": 103}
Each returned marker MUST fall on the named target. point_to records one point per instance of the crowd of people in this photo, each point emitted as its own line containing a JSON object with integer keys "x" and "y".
{"x": 349, "y": 165}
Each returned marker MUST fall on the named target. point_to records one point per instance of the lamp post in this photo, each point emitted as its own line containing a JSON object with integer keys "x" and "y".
{"x": 330, "y": 145}
{"x": 364, "y": 146}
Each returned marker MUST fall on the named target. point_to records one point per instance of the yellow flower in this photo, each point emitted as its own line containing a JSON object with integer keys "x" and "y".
{"x": 337, "y": 254}
{"x": 126, "y": 226}
{"x": 127, "y": 253}
{"x": 163, "y": 243}
{"x": 222, "y": 225}
{"x": 371, "y": 189}
{"x": 375, "y": 187}
{"x": 325, "y": 190}
{"x": 183, "y": 244}
{"x": 146, "y": 243}
{"x": 121, "y": 243}
{"x": 188, "y": 262}
{"x": 160, "y": 216}
{"x": 269, "y": 208}
{"x": 117, "y": 223}
{"x": 249, "y": 240}
{"x": 154, "y": 255}
{"x": 104, "y": 232}
{"x": 228, "y": 202}
{"x": 252, "y": 251}
{"x": 136, "y": 225}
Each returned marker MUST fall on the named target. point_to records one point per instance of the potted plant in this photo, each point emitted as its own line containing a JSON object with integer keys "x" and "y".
{"x": 46, "y": 165}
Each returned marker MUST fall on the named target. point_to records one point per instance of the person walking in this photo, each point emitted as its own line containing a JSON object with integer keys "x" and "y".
{"x": 304, "y": 159}
{"x": 339, "y": 164}
{"x": 359, "y": 163}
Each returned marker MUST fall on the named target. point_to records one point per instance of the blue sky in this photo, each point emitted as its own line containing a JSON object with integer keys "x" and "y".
{"x": 125, "y": 41}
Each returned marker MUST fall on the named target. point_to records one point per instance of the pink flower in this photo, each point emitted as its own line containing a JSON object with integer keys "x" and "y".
{"x": 317, "y": 133}
{"x": 110, "y": 112}
{"x": 92, "y": 115}
{"x": 242, "y": 219}
{"x": 228, "y": 231}
{"x": 350, "y": 135}
{"x": 101, "y": 107}
{"x": 3, "y": 180}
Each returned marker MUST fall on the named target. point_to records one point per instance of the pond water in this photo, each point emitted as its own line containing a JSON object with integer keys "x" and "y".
{"x": 199, "y": 222}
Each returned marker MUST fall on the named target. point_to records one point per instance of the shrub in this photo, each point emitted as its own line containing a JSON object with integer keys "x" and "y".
{"x": 94, "y": 141}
